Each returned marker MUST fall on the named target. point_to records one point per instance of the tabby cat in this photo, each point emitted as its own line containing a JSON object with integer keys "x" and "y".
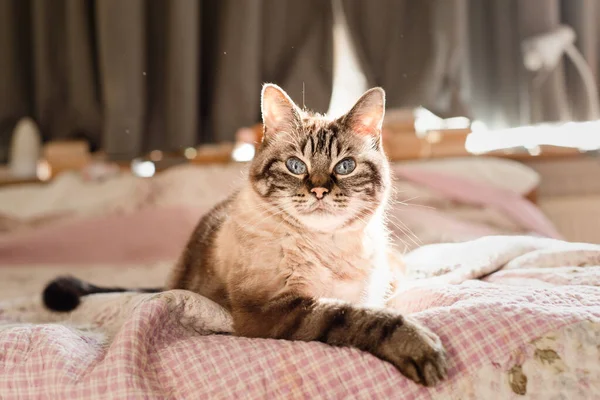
{"x": 301, "y": 252}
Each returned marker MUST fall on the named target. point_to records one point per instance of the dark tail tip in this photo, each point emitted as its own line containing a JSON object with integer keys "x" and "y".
{"x": 63, "y": 294}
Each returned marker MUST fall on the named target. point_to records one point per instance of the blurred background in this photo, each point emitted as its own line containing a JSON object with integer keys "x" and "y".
{"x": 129, "y": 77}
{"x": 122, "y": 121}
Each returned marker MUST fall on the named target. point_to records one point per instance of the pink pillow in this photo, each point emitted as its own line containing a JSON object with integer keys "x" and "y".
{"x": 143, "y": 236}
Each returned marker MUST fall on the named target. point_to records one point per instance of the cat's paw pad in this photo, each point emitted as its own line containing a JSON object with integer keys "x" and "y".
{"x": 417, "y": 352}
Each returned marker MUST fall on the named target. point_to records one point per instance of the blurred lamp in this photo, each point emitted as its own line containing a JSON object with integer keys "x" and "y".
{"x": 544, "y": 53}
{"x": 143, "y": 169}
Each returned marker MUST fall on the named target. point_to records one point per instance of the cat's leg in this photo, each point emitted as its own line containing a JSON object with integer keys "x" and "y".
{"x": 413, "y": 349}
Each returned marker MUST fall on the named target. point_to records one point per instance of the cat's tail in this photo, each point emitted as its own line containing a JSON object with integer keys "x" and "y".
{"x": 64, "y": 293}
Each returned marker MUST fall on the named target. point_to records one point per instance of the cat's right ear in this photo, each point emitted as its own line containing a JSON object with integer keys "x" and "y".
{"x": 279, "y": 112}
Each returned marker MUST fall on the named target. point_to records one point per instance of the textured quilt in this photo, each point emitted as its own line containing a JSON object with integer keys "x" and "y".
{"x": 519, "y": 316}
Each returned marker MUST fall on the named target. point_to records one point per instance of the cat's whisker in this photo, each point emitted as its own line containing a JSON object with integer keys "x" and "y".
{"x": 392, "y": 233}
{"x": 418, "y": 205}
{"x": 409, "y": 238}
{"x": 256, "y": 219}
{"x": 407, "y": 231}
{"x": 409, "y": 199}
{"x": 420, "y": 243}
{"x": 406, "y": 244}
{"x": 287, "y": 212}
{"x": 396, "y": 202}
{"x": 264, "y": 214}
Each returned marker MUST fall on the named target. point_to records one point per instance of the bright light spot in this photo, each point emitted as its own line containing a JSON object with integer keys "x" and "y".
{"x": 349, "y": 81}
{"x": 533, "y": 61}
{"x": 143, "y": 169}
{"x": 43, "y": 170}
{"x": 478, "y": 126}
{"x": 535, "y": 150}
{"x": 426, "y": 121}
{"x": 434, "y": 137}
{"x": 156, "y": 155}
{"x": 190, "y": 153}
{"x": 457, "y": 123}
{"x": 243, "y": 152}
{"x": 579, "y": 135}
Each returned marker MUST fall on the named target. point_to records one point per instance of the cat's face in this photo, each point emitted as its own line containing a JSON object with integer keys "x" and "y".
{"x": 324, "y": 174}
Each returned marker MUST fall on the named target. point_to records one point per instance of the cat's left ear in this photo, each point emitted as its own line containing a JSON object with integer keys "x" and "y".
{"x": 279, "y": 112}
{"x": 366, "y": 117}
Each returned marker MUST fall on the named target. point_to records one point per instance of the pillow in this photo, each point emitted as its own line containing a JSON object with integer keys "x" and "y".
{"x": 498, "y": 172}
{"x": 144, "y": 236}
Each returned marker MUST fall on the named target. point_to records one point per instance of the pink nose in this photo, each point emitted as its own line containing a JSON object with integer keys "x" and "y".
{"x": 319, "y": 192}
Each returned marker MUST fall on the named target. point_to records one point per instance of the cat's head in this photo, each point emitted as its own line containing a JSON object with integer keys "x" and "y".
{"x": 325, "y": 174}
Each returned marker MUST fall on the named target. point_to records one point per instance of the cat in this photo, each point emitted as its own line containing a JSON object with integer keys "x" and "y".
{"x": 301, "y": 252}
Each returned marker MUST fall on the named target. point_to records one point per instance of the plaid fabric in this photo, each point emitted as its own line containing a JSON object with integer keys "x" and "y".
{"x": 152, "y": 357}
{"x": 496, "y": 333}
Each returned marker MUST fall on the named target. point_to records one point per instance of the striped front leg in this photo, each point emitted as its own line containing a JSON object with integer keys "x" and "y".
{"x": 410, "y": 347}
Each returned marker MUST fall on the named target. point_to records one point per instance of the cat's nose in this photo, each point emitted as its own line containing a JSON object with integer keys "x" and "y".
{"x": 319, "y": 192}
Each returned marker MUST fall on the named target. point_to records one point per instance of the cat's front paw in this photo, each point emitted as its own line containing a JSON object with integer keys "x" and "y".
{"x": 417, "y": 352}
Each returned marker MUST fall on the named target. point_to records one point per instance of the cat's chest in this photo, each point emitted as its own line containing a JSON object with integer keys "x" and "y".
{"x": 329, "y": 266}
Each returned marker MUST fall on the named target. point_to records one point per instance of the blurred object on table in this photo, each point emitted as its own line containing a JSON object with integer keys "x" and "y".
{"x": 213, "y": 153}
{"x": 25, "y": 149}
{"x": 61, "y": 156}
{"x": 245, "y": 144}
{"x": 99, "y": 170}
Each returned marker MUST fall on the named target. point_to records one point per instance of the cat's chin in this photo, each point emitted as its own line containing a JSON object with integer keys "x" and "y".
{"x": 323, "y": 221}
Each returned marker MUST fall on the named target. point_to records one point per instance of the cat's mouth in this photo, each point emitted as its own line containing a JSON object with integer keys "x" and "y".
{"x": 318, "y": 207}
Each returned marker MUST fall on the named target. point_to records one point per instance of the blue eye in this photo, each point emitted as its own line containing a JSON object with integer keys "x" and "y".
{"x": 345, "y": 166}
{"x": 295, "y": 166}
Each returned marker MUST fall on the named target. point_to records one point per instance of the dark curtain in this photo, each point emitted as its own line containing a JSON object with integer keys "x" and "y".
{"x": 497, "y": 79}
{"x": 136, "y": 75}
{"x": 464, "y": 57}
{"x": 501, "y": 92}
{"x": 394, "y": 41}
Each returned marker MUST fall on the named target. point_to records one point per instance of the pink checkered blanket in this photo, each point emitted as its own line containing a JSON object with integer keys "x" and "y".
{"x": 519, "y": 316}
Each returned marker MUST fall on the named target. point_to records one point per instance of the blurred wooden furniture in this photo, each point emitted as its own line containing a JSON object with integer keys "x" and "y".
{"x": 6, "y": 178}
{"x": 63, "y": 156}
{"x": 402, "y": 142}
{"x": 56, "y": 157}
{"x": 213, "y": 154}
{"x": 433, "y": 144}
{"x": 400, "y": 138}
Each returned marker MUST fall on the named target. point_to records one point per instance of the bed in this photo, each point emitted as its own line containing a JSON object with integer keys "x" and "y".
{"x": 516, "y": 306}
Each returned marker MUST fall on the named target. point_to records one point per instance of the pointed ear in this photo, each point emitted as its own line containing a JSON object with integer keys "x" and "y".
{"x": 279, "y": 112}
{"x": 366, "y": 117}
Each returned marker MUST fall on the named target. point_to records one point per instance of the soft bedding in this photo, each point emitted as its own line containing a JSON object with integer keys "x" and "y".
{"x": 519, "y": 316}
{"x": 517, "y": 313}
{"x": 127, "y": 220}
